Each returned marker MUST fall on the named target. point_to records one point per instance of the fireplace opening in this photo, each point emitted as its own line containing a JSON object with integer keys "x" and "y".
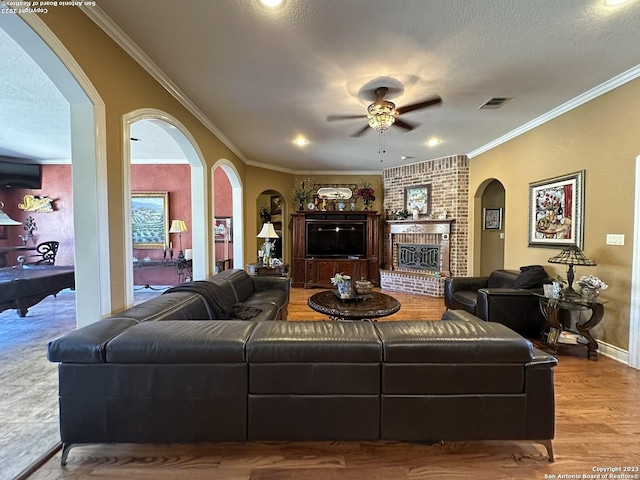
{"x": 418, "y": 256}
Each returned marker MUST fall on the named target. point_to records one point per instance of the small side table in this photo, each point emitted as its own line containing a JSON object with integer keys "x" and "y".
{"x": 263, "y": 270}
{"x": 551, "y": 307}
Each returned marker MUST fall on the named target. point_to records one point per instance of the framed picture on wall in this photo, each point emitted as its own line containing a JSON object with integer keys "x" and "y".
{"x": 492, "y": 218}
{"x": 418, "y": 197}
{"x": 150, "y": 219}
{"x": 556, "y": 208}
{"x": 222, "y": 229}
{"x": 276, "y": 204}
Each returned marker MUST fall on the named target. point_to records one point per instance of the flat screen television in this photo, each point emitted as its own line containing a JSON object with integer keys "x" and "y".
{"x": 336, "y": 239}
{"x": 20, "y": 175}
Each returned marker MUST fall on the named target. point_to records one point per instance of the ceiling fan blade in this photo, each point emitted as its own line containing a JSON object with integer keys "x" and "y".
{"x": 360, "y": 132}
{"x": 419, "y": 105}
{"x": 332, "y": 118}
{"x": 402, "y": 124}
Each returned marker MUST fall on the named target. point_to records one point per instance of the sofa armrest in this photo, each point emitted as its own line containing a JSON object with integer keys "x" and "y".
{"x": 260, "y": 284}
{"x": 456, "y": 284}
{"x": 516, "y": 308}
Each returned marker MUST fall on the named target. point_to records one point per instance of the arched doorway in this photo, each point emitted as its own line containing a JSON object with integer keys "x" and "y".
{"x": 270, "y": 206}
{"x": 198, "y": 220}
{"x": 232, "y": 206}
{"x": 88, "y": 160}
{"x": 490, "y": 226}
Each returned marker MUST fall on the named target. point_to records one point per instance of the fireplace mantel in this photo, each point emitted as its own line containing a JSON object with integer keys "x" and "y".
{"x": 441, "y": 227}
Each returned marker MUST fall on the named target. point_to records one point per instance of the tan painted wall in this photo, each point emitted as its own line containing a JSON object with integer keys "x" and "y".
{"x": 603, "y": 138}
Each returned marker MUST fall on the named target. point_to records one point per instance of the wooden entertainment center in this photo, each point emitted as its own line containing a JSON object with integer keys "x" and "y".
{"x": 316, "y": 270}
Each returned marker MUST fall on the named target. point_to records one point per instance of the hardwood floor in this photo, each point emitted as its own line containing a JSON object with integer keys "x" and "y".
{"x": 597, "y": 426}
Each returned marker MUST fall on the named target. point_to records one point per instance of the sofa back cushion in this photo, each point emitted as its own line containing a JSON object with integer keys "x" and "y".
{"x": 170, "y": 306}
{"x": 236, "y": 281}
{"x": 171, "y": 342}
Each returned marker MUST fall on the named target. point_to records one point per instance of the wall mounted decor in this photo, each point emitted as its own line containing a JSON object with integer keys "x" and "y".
{"x": 556, "y": 208}
{"x": 222, "y": 229}
{"x": 31, "y": 203}
{"x": 150, "y": 219}
{"x": 276, "y": 204}
{"x": 418, "y": 197}
{"x": 492, "y": 218}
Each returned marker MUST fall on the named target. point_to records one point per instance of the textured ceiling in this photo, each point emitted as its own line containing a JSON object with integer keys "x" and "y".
{"x": 263, "y": 77}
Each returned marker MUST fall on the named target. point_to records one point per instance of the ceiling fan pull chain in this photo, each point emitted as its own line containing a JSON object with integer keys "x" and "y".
{"x": 381, "y": 145}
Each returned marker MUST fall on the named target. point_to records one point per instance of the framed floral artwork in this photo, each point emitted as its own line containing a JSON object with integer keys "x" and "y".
{"x": 418, "y": 197}
{"x": 222, "y": 229}
{"x": 556, "y": 211}
{"x": 492, "y": 218}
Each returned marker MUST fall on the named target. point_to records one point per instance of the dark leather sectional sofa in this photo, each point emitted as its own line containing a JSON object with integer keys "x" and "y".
{"x": 166, "y": 378}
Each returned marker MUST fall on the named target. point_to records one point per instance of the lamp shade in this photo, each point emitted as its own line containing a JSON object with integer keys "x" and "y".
{"x": 178, "y": 226}
{"x": 572, "y": 256}
{"x": 6, "y": 219}
{"x": 268, "y": 231}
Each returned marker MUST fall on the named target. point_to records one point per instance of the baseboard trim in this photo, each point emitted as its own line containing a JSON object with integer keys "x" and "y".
{"x": 613, "y": 352}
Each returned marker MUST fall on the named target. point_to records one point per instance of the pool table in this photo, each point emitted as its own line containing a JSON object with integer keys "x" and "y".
{"x": 23, "y": 287}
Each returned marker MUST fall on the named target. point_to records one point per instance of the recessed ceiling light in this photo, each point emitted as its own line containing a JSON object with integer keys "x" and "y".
{"x": 272, "y": 3}
{"x": 432, "y": 142}
{"x": 301, "y": 141}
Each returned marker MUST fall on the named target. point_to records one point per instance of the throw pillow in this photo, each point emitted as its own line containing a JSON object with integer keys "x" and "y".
{"x": 531, "y": 276}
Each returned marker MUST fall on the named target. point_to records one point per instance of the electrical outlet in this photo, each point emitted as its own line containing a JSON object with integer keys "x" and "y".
{"x": 615, "y": 239}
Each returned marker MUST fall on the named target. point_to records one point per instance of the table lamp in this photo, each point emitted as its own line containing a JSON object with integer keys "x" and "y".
{"x": 268, "y": 232}
{"x": 571, "y": 256}
{"x": 179, "y": 226}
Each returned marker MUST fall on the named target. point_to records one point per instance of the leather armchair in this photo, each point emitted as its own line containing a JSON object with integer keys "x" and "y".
{"x": 494, "y": 298}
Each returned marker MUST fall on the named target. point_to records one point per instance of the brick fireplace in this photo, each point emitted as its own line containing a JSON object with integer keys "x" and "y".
{"x": 446, "y": 229}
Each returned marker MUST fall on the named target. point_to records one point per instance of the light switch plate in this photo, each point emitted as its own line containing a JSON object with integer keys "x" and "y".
{"x": 615, "y": 238}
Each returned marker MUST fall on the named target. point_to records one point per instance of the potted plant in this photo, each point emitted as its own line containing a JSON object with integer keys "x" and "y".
{"x": 343, "y": 284}
{"x": 303, "y": 192}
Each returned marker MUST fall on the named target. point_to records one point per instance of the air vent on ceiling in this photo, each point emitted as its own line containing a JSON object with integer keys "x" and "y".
{"x": 494, "y": 102}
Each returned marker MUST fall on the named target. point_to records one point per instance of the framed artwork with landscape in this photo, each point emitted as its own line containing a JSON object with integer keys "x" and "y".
{"x": 150, "y": 219}
{"x": 556, "y": 211}
{"x": 418, "y": 197}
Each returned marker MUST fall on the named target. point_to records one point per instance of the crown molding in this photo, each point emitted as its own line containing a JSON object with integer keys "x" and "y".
{"x": 97, "y": 15}
{"x": 589, "y": 95}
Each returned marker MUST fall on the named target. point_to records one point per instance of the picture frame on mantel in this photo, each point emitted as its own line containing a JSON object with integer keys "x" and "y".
{"x": 556, "y": 211}
{"x": 418, "y": 197}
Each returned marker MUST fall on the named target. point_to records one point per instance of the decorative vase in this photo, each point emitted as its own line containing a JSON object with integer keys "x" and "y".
{"x": 366, "y": 203}
{"x": 301, "y": 205}
{"x": 556, "y": 290}
{"x": 344, "y": 289}
{"x": 590, "y": 294}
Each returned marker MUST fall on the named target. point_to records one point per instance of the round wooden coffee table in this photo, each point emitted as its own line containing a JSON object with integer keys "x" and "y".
{"x": 369, "y": 307}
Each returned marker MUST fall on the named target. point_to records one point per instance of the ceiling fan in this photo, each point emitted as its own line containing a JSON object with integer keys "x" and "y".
{"x": 382, "y": 113}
